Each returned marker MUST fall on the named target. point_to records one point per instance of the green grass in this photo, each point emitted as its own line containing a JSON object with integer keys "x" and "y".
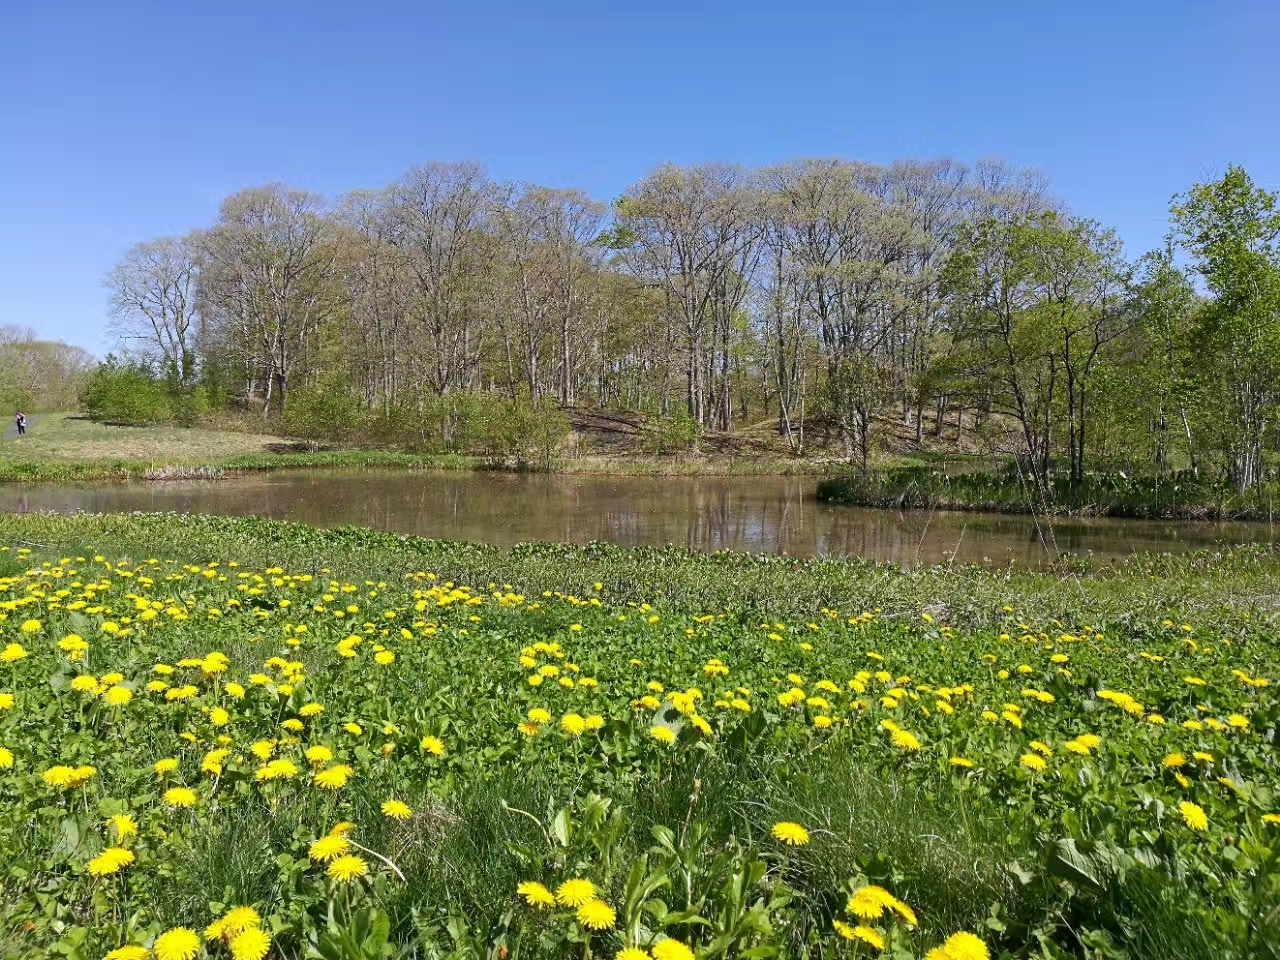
{"x": 966, "y": 854}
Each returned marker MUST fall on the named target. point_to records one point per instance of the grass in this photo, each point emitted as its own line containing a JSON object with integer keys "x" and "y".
{"x": 1236, "y": 582}
{"x": 68, "y": 447}
{"x": 968, "y": 853}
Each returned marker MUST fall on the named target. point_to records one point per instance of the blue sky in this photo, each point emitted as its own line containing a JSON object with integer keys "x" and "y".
{"x": 126, "y": 120}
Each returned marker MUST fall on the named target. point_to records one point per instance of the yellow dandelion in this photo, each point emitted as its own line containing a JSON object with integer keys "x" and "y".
{"x": 536, "y": 895}
{"x": 396, "y": 810}
{"x": 596, "y": 915}
{"x": 576, "y": 892}
{"x": 1193, "y": 815}
{"x": 328, "y": 847}
{"x": 347, "y": 868}
{"x": 179, "y": 943}
{"x": 792, "y": 834}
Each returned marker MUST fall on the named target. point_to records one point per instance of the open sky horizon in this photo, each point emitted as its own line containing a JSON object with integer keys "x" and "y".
{"x": 128, "y": 121}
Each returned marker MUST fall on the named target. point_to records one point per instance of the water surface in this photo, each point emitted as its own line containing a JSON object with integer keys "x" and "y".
{"x": 775, "y": 514}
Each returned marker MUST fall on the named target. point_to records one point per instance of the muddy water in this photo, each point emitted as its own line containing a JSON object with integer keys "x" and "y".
{"x": 776, "y": 514}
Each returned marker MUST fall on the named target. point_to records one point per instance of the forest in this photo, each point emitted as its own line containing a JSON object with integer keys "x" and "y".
{"x": 826, "y": 298}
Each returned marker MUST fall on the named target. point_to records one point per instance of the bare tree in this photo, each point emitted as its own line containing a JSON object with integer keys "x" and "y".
{"x": 154, "y": 304}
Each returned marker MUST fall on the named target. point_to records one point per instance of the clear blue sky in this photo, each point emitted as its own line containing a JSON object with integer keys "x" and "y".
{"x": 125, "y": 120}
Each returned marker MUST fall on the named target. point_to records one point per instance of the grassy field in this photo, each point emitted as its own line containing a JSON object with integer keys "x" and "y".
{"x": 223, "y": 737}
{"x": 65, "y": 446}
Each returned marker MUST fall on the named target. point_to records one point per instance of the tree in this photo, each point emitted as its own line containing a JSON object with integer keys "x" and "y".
{"x": 154, "y": 304}
{"x": 269, "y": 267}
{"x": 695, "y": 234}
{"x": 1037, "y": 299}
{"x": 1230, "y": 228}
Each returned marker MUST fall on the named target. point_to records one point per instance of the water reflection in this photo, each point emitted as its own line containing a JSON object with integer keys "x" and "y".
{"x": 775, "y": 514}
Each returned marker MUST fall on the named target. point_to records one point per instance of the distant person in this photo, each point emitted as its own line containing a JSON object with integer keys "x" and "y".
{"x": 21, "y": 422}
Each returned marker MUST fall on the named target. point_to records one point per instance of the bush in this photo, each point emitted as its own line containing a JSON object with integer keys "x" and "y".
{"x": 129, "y": 392}
{"x": 328, "y": 409}
{"x": 676, "y": 433}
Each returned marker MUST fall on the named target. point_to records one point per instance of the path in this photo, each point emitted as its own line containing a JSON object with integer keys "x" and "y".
{"x": 12, "y": 429}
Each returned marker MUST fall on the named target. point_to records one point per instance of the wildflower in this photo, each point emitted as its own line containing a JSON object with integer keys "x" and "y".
{"x": 240, "y": 919}
{"x": 1193, "y": 815}
{"x": 347, "y": 868}
{"x": 396, "y": 810}
{"x": 433, "y": 746}
{"x": 869, "y": 903}
{"x": 165, "y": 767}
{"x": 596, "y": 915}
{"x": 792, "y": 834}
{"x": 179, "y": 797}
{"x": 1173, "y": 761}
{"x": 334, "y": 778}
{"x": 962, "y": 946}
{"x": 576, "y": 892}
{"x": 905, "y": 740}
{"x": 111, "y": 860}
{"x": 573, "y": 724}
{"x": 631, "y": 953}
{"x": 328, "y": 847}
{"x": 536, "y": 895}
{"x": 123, "y": 824}
{"x": 318, "y": 755}
{"x": 963, "y": 762}
{"x": 118, "y": 696}
{"x": 1033, "y": 761}
{"x": 1238, "y": 721}
{"x": 6, "y": 758}
{"x": 663, "y": 735}
{"x": 253, "y": 943}
{"x": 130, "y": 951}
{"x": 539, "y": 716}
{"x": 179, "y": 943}
{"x": 861, "y": 933}
{"x": 671, "y": 950}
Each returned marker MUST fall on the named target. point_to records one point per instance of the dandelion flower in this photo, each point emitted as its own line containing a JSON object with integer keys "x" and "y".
{"x": 179, "y": 797}
{"x": 240, "y": 919}
{"x": 1033, "y": 762}
{"x": 179, "y": 943}
{"x": 861, "y": 933}
{"x": 573, "y": 724}
{"x": 631, "y": 953}
{"x": 671, "y": 950}
{"x": 905, "y": 740}
{"x": 335, "y": 778}
{"x": 347, "y": 868}
{"x": 792, "y": 834}
{"x": 869, "y": 903}
{"x": 396, "y": 810}
{"x": 536, "y": 895}
{"x": 663, "y": 735}
{"x": 6, "y": 758}
{"x": 965, "y": 946}
{"x": 1193, "y": 815}
{"x": 574, "y": 893}
{"x": 596, "y": 915}
{"x": 112, "y": 860}
{"x": 433, "y": 746}
{"x": 251, "y": 944}
{"x": 328, "y": 847}
{"x": 130, "y": 951}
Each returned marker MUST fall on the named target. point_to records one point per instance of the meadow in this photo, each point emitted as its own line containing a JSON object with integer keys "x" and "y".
{"x": 248, "y": 739}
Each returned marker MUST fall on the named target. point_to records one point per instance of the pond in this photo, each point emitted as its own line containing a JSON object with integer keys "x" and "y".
{"x": 775, "y": 514}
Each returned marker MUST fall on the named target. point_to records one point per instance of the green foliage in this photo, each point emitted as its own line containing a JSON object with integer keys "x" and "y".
{"x": 130, "y": 392}
{"x": 1084, "y": 854}
{"x": 675, "y": 433}
{"x": 1175, "y": 495}
{"x": 329, "y": 409}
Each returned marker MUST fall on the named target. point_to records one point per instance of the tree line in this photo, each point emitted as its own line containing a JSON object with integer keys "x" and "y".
{"x": 819, "y": 295}
{"x": 39, "y": 374}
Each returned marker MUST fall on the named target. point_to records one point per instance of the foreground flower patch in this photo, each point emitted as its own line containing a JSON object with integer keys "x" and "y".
{"x": 208, "y": 760}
